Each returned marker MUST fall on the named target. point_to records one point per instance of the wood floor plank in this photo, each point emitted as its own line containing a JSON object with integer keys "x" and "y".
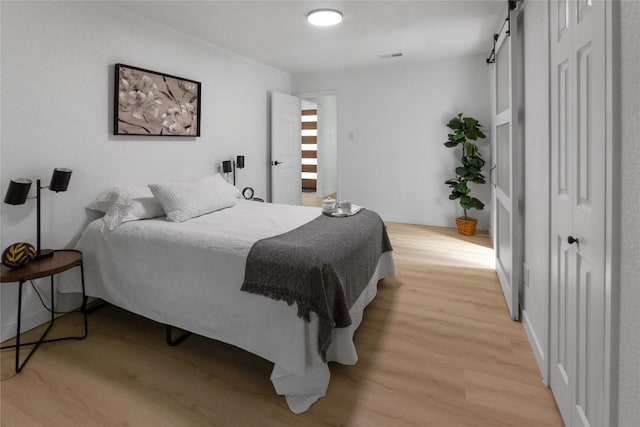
{"x": 436, "y": 348}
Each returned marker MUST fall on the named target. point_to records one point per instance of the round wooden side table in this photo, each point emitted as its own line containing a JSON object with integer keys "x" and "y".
{"x": 62, "y": 260}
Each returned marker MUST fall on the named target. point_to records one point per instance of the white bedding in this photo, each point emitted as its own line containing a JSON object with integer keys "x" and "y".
{"x": 189, "y": 275}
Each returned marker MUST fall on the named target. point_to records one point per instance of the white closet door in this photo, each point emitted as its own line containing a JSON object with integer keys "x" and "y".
{"x": 578, "y": 156}
{"x": 507, "y": 173}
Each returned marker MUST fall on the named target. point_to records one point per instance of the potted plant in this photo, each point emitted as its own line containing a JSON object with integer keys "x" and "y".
{"x": 466, "y": 131}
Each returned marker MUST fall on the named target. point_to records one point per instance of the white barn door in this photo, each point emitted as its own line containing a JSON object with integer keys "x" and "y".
{"x": 507, "y": 172}
{"x": 578, "y": 156}
{"x": 286, "y": 152}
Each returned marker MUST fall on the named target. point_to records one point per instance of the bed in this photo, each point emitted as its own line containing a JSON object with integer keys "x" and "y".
{"x": 190, "y": 274}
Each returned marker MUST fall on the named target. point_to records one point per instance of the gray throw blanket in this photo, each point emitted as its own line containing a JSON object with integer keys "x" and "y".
{"x": 323, "y": 266}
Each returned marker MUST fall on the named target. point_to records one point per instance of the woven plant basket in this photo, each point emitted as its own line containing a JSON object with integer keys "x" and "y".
{"x": 467, "y": 226}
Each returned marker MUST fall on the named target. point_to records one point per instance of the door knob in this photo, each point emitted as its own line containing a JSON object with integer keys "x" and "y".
{"x": 572, "y": 240}
{"x": 276, "y": 163}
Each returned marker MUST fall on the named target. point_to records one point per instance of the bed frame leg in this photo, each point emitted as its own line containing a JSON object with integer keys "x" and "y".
{"x": 178, "y": 340}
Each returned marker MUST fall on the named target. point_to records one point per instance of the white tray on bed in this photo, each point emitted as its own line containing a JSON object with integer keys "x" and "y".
{"x": 341, "y": 214}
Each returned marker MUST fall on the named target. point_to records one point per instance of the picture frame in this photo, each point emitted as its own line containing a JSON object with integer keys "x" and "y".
{"x": 151, "y": 103}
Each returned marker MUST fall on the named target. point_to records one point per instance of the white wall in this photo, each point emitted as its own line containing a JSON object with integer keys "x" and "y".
{"x": 391, "y": 127}
{"x": 57, "y": 89}
{"x": 629, "y": 375}
{"x": 535, "y": 304}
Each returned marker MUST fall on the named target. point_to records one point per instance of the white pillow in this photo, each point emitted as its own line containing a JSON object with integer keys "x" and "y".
{"x": 122, "y": 204}
{"x": 185, "y": 200}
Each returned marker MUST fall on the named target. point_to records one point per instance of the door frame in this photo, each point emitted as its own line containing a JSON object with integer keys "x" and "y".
{"x": 316, "y": 94}
{"x": 536, "y": 276}
{"x": 612, "y": 222}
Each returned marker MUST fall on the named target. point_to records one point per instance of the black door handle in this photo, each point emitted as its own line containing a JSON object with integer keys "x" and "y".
{"x": 572, "y": 240}
{"x": 276, "y": 163}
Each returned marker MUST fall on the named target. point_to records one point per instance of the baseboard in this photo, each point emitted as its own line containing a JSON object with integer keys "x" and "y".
{"x": 538, "y": 352}
{"x": 412, "y": 220}
{"x": 64, "y": 302}
{"x": 420, "y": 221}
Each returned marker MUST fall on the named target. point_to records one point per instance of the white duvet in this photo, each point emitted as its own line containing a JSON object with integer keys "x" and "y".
{"x": 189, "y": 275}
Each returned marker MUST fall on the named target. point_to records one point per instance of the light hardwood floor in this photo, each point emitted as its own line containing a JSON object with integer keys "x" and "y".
{"x": 436, "y": 348}
{"x": 312, "y": 199}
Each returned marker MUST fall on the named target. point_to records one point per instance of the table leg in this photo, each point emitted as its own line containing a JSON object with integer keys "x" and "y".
{"x": 84, "y": 301}
{"x": 17, "y": 345}
{"x": 18, "y": 367}
{"x": 42, "y": 339}
{"x": 53, "y": 304}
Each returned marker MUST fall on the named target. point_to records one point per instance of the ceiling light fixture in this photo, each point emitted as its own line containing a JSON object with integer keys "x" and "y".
{"x": 324, "y": 17}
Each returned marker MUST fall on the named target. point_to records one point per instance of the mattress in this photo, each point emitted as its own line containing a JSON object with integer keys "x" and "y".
{"x": 189, "y": 275}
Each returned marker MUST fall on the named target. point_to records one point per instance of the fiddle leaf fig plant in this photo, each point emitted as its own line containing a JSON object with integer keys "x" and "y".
{"x": 466, "y": 131}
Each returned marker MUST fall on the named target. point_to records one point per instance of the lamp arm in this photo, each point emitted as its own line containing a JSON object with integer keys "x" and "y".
{"x": 234, "y": 172}
{"x": 38, "y": 188}
{"x": 44, "y": 187}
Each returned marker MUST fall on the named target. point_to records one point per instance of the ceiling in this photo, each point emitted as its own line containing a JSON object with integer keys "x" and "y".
{"x": 276, "y": 32}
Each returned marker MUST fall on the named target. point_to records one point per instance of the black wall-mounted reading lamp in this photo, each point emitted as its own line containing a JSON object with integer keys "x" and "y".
{"x": 18, "y": 192}
{"x": 229, "y": 166}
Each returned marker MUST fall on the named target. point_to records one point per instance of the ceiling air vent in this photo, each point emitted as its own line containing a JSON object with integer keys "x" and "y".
{"x": 391, "y": 55}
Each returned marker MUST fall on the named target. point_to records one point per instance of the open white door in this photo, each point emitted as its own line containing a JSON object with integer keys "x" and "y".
{"x": 507, "y": 175}
{"x": 285, "y": 149}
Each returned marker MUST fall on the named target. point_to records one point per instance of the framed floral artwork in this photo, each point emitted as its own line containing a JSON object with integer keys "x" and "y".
{"x": 155, "y": 104}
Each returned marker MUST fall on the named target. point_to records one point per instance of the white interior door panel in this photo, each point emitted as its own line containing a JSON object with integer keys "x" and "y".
{"x": 285, "y": 149}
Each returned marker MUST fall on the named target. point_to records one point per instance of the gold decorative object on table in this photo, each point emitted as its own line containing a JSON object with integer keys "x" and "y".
{"x": 18, "y": 255}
